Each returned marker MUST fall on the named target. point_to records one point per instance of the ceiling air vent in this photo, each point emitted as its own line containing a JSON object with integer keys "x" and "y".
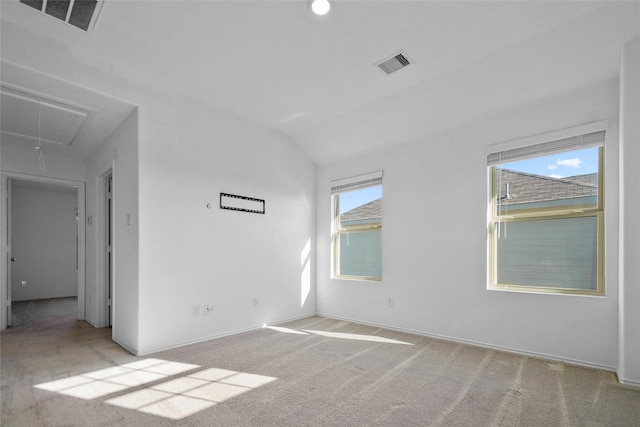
{"x": 394, "y": 63}
{"x": 79, "y": 13}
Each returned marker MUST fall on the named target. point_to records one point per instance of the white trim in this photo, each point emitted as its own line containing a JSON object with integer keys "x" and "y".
{"x": 4, "y": 286}
{"x": 629, "y": 383}
{"x": 81, "y": 238}
{"x": 358, "y": 181}
{"x": 129, "y": 349}
{"x": 213, "y": 337}
{"x": 93, "y": 324}
{"x": 82, "y": 251}
{"x": 478, "y": 344}
{"x": 99, "y": 226}
{"x": 546, "y": 137}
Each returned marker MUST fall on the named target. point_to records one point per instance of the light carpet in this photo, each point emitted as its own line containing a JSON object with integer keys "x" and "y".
{"x": 310, "y": 372}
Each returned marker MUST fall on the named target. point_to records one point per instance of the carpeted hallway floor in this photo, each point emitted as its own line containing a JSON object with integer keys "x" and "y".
{"x": 310, "y": 372}
{"x": 43, "y": 313}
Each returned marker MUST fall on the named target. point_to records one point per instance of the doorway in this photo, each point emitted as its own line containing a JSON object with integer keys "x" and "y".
{"x": 44, "y": 247}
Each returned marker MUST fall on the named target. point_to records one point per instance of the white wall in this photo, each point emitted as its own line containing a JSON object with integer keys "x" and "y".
{"x": 44, "y": 233}
{"x": 435, "y": 241}
{"x": 193, "y": 255}
{"x": 188, "y": 254}
{"x": 187, "y": 154}
{"x": 19, "y": 157}
{"x": 629, "y": 355}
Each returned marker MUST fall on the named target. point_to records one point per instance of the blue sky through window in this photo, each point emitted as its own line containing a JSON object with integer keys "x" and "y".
{"x": 355, "y": 198}
{"x": 560, "y": 165}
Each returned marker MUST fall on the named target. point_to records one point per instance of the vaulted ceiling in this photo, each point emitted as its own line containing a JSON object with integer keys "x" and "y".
{"x": 314, "y": 78}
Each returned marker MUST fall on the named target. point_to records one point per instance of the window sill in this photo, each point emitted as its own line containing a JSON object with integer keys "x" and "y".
{"x": 357, "y": 278}
{"x": 547, "y": 291}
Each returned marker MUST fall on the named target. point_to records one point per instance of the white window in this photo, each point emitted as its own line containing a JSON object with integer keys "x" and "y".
{"x": 547, "y": 220}
{"x": 357, "y": 227}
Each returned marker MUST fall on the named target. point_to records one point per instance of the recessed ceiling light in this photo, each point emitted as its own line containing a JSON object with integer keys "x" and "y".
{"x": 320, "y": 7}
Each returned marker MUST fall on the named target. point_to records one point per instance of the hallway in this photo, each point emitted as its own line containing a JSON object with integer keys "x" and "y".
{"x": 43, "y": 313}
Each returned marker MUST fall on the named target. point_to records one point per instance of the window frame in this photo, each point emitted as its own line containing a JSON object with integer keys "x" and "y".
{"x": 552, "y": 212}
{"x": 337, "y": 231}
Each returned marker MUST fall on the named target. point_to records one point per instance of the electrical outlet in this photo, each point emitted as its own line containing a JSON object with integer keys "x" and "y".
{"x": 390, "y": 303}
{"x": 196, "y": 310}
{"x": 256, "y": 302}
{"x": 207, "y": 309}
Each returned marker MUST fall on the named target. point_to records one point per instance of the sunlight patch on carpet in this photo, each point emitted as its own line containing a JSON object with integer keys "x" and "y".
{"x": 286, "y": 330}
{"x": 176, "y": 390}
{"x": 357, "y": 337}
{"x": 107, "y": 381}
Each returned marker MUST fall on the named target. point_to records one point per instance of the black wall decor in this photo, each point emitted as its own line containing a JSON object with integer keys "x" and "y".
{"x": 241, "y": 203}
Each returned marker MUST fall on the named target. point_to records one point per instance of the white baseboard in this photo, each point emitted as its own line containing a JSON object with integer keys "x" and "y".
{"x": 212, "y": 337}
{"x": 129, "y": 349}
{"x": 550, "y": 357}
{"x": 538, "y": 355}
{"x": 91, "y": 323}
{"x": 631, "y": 383}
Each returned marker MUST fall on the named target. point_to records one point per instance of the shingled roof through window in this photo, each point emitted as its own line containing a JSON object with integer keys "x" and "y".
{"x": 369, "y": 210}
{"x": 525, "y": 188}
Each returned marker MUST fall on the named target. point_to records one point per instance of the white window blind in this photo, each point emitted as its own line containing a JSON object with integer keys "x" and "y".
{"x": 356, "y": 182}
{"x": 593, "y": 139}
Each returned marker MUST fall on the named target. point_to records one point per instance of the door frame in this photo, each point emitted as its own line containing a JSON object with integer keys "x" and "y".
{"x": 107, "y": 224}
{"x": 4, "y": 283}
{"x": 99, "y": 224}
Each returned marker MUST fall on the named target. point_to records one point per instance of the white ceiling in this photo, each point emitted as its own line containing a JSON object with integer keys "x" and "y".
{"x": 57, "y": 122}
{"x": 64, "y": 118}
{"x": 314, "y": 78}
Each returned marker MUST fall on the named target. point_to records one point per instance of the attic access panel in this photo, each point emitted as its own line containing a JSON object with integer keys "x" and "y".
{"x": 36, "y": 117}
{"x": 79, "y": 13}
